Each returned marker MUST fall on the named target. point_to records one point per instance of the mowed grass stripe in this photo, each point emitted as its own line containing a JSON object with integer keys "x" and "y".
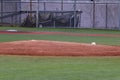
{"x": 80, "y": 39}
{"x": 60, "y": 68}
{"x": 74, "y": 30}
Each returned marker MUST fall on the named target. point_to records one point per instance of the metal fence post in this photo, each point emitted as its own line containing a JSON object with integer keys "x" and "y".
{"x": 74, "y": 13}
{"x": 62, "y": 6}
{"x": 106, "y": 15}
{"x": 30, "y": 8}
{"x": 93, "y": 13}
{"x": 19, "y": 6}
{"x": 44, "y": 5}
{"x": 37, "y": 14}
{"x": 119, "y": 16}
{"x": 1, "y": 10}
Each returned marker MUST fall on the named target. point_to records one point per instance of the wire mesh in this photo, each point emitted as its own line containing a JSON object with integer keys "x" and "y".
{"x": 95, "y": 13}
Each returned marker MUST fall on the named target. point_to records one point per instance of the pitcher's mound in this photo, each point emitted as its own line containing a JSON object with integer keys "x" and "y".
{"x": 56, "y": 48}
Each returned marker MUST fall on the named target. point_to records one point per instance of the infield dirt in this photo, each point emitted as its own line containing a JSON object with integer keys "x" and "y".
{"x": 56, "y": 48}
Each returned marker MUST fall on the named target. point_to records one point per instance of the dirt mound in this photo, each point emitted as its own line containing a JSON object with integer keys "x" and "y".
{"x": 56, "y": 48}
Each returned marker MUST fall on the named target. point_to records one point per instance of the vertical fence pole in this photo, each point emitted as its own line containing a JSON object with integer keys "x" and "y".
{"x": 44, "y": 3}
{"x": 119, "y": 15}
{"x": 20, "y": 3}
{"x": 37, "y": 14}
{"x": 74, "y": 13}
{"x": 61, "y": 5}
{"x": 1, "y": 10}
{"x": 93, "y": 13}
{"x": 106, "y": 16}
{"x": 30, "y": 8}
{"x": 16, "y": 17}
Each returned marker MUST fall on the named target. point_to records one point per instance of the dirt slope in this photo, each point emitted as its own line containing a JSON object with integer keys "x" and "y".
{"x": 56, "y": 48}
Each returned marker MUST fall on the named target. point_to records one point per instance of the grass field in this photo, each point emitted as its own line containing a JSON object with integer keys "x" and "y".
{"x": 60, "y": 68}
{"x": 83, "y": 39}
{"x": 98, "y": 31}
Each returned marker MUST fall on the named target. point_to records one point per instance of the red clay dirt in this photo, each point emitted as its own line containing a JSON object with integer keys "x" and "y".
{"x": 56, "y": 48}
{"x": 56, "y": 33}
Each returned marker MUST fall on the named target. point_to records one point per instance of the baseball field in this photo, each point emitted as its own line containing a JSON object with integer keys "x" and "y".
{"x": 62, "y": 54}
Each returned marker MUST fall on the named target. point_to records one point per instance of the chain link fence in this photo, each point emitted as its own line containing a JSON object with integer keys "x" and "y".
{"x": 100, "y": 14}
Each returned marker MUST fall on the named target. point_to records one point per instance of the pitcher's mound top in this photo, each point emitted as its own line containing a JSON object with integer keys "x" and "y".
{"x": 56, "y": 48}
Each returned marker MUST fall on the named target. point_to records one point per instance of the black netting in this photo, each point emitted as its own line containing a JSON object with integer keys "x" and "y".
{"x": 50, "y": 19}
{"x": 45, "y": 19}
{"x": 57, "y": 19}
{"x": 30, "y": 21}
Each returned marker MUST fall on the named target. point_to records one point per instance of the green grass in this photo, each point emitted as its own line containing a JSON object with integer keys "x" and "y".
{"x": 80, "y": 39}
{"x": 98, "y": 40}
{"x": 59, "y": 68}
{"x": 97, "y": 31}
